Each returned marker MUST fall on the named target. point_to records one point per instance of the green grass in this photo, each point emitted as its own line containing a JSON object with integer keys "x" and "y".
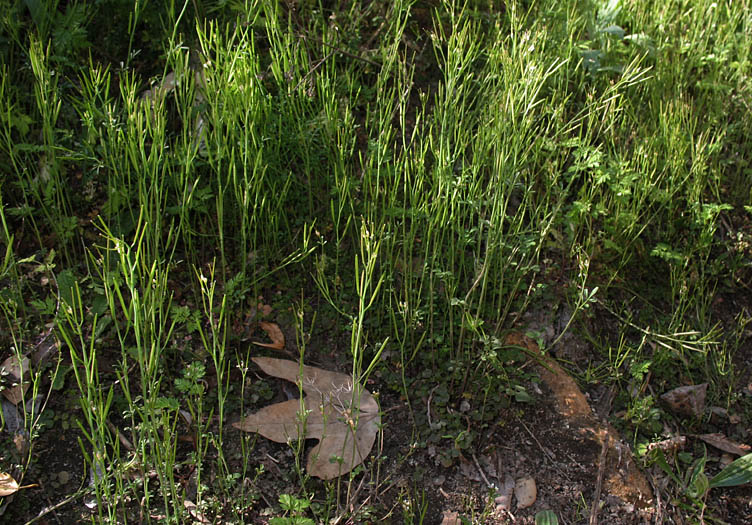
{"x": 415, "y": 177}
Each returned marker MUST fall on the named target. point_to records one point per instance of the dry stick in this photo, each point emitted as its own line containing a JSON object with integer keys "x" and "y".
{"x": 599, "y": 482}
{"x": 54, "y": 508}
{"x": 313, "y": 70}
{"x": 483, "y": 474}
{"x": 342, "y": 51}
{"x": 546, "y": 452}
{"x": 428, "y": 407}
{"x": 658, "y": 504}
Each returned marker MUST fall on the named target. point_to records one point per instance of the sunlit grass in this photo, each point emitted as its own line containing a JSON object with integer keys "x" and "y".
{"x": 428, "y": 181}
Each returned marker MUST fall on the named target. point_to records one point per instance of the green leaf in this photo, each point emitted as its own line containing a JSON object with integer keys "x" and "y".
{"x": 737, "y": 473}
{"x": 660, "y": 460}
{"x": 66, "y": 283}
{"x": 58, "y": 380}
{"x": 546, "y": 517}
{"x": 614, "y": 30}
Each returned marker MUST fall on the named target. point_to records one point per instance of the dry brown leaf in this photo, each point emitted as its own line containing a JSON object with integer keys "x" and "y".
{"x": 275, "y": 334}
{"x": 503, "y": 500}
{"x": 687, "y": 400}
{"x": 345, "y": 421}
{"x": 193, "y": 511}
{"x": 266, "y": 309}
{"x": 15, "y": 371}
{"x": 9, "y": 486}
{"x": 721, "y": 442}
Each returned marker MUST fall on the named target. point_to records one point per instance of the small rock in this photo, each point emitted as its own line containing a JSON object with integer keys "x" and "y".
{"x": 63, "y": 477}
{"x": 525, "y": 491}
{"x": 687, "y": 400}
{"x": 718, "y": 414}
{"x": 451, "y": 518}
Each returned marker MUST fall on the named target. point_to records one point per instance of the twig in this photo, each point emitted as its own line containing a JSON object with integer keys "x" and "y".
{"x": 428, "y": 406}
{"x": 658, "y": 517}
{"x": 599, "y": 480}
{"x": 123, "y": 440}
{"x": 313, "y": 70}
{"x": 482, "y": 474}
{"x": 341, "y": 51}
{"x": 546, "y": 452}
{"x": 53, "y": 508}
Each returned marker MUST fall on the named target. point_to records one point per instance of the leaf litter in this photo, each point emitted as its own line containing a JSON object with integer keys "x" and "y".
{"x": 275, "y": 334}
{"x": 8, "y": 485}
{"x": 342, "y": 415}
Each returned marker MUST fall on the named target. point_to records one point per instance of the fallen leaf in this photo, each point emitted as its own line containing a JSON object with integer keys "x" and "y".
{"x": 275, "y": 334}
{"x": 9, "y": 486}
{"x": 721, "y": 442}
{"x": 525, "y": 491}
{"x": 503, "y": 500}
{"x": 193, "y": 511}
{"x": 14, "y": 422}
{"x": 345, "y": 422}
{"x": 168, "y": 84}
{"x": 687, "y": 400}
{"x": 15, "y": 373}
{"x": 266, "y": 309}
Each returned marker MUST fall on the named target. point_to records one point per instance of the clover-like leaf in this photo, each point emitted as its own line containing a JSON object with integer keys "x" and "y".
{"x": 341, "y": 414}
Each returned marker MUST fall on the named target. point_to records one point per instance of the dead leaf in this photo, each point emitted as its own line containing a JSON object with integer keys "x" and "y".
{"x": 9, "y": 486}
{"x": 503, "y": 500}
{"x": 266, "y": 309}
{"x": 15, "y": 372}
{"x": 168, "y": 84}
{"x": 344, "y": 417}
{"x": 687, "y": 400}
{"x": 193, "y": 511}
{"x": 721, "y": 442}
{"x": 525, "y": 491}
{"x": 275, "y": 334}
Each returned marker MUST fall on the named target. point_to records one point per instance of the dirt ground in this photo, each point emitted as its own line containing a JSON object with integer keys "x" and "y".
{"x": 563, "y": 440}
